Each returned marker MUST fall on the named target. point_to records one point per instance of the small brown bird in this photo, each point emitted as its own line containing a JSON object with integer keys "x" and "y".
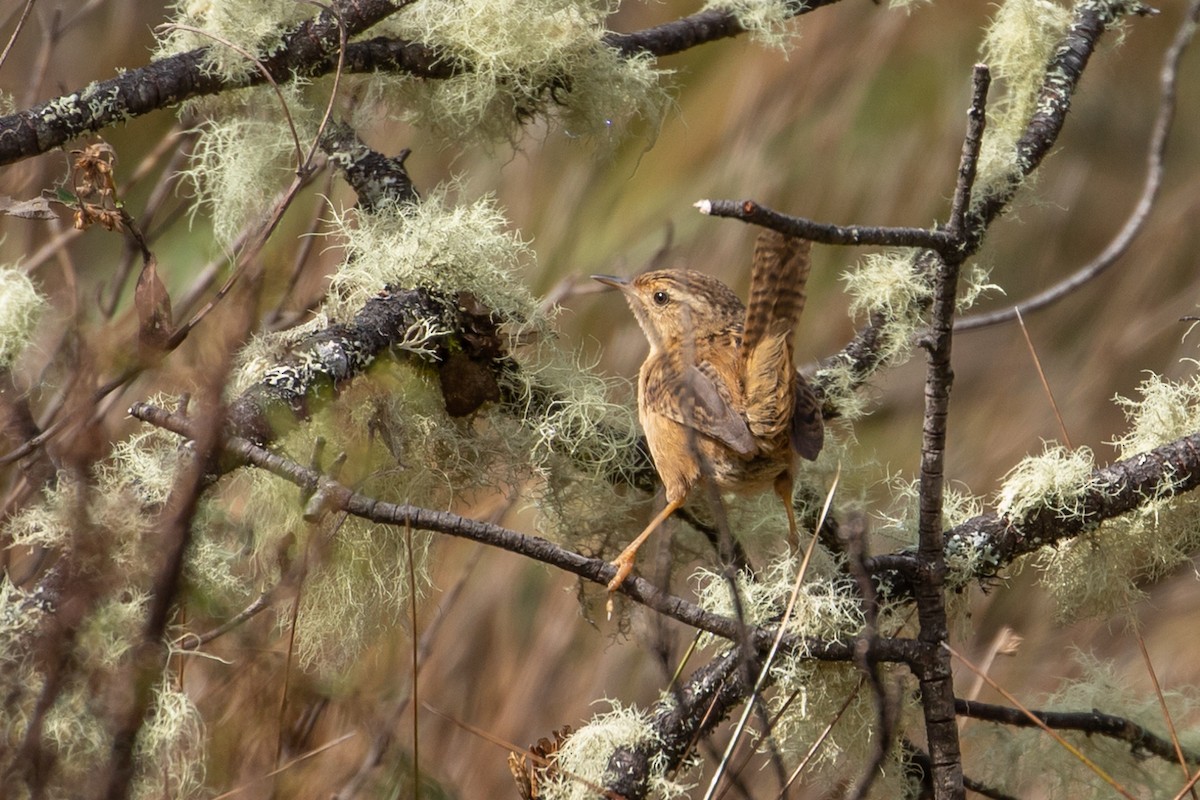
{"x": 718, "y": 394}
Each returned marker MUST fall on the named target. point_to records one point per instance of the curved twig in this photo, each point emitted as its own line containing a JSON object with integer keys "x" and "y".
{"x": 1120, "y": 243}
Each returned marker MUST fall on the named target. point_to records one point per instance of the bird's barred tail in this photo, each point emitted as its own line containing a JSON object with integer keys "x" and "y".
{"x": 777, "y": 279}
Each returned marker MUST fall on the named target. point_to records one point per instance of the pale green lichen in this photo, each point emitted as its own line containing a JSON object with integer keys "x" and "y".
{"x": 111, "y": 629}
{"x": 1104, "y": 572}
{"x": 831, "y": 704}
{"x": 436, "y": 245}
{"x": 240, "y": 162}
{"x": 975, "y": 284}
{"x": 890, "y": 285}
{"x": 1058, "y": 479}
{"x": 1017, "y": 47}
{"x": 521, "y": 58}
{"x": 825, "y": 607}
{"x": 841, "y": 383}
{"x": 1166, "y": 411}
{"x": 168, "y": 758}
{"x": 171, "y": 747}
{"x": 106, "y": 530}
{"x": 765, "y": 20}
{"x": 21, "y": 307}
{"x": 580, "y": 764}
{"x": 966, "y": 559}
{"x": 254, "y": 26}
{"x": 145, "y": 464}
{"x": 899, "y": 521}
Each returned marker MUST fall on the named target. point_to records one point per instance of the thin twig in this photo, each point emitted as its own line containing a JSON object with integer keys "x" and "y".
{"x": 16, "y": 31}
{"x": 1092, "y": 722}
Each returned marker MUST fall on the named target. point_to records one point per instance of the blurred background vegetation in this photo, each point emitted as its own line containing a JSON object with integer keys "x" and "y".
{"x": 859, "y": 121}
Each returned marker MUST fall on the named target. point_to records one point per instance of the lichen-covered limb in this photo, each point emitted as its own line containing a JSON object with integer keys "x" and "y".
{"x": 691, "y": 712}
{"x": 309, "y": 50}
{"x": 997, "y": 540}
{"x": 374, "y": 177}
{"x": 314, "y": 371}
{"x": 1167, "y": 471}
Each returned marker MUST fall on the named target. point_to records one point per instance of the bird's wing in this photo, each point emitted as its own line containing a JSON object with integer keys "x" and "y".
{"x": 695, "y": 396}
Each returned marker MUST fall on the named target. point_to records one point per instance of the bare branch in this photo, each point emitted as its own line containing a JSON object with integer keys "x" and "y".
{"x": 1141, "y": 740}
{"x": 825, "y": 233}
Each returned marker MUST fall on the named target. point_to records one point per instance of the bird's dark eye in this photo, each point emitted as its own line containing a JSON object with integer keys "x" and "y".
{"x": 661, "y": 298}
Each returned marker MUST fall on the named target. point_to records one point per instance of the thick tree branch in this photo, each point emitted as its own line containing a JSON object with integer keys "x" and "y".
{"x": 309, "y": 50}
{"x": 1167, "y": 471}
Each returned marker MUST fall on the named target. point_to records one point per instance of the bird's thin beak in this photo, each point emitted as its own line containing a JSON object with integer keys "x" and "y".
{"x": 613, "y": 281}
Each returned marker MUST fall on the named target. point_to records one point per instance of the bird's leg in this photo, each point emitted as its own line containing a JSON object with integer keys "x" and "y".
{"x": 783, "y": 488}
{"x": 624, "y": 562}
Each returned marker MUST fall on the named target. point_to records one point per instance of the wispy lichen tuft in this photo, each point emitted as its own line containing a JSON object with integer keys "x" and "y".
{"x": 522, "y": 59}
{"x": 890, "y": 285}
{"x": 1167, "y": 411}
{"x": 827, "y": 608}
{"x": 255, "y": 26}
{"x": 1105, "y": 572}
{"x": 1058, "y": 479}
{"x": 242, "y": 160}
{"x": 766, "y": 20}
{"x": 21, "y": 307}
{"x": 436, "y": 245}
{"x": 1018, "y": 45}
{"x": 976, "y": 284}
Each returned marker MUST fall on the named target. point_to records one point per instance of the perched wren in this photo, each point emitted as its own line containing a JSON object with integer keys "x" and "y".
{"x": 718, "y": 394}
